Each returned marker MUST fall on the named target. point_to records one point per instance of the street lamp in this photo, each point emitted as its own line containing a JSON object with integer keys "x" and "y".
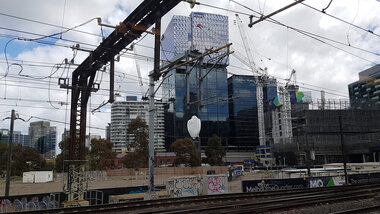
{"x": 194, "y": 128}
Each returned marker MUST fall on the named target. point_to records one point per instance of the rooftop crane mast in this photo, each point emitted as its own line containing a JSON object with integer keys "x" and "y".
{"x": 290, "y": 86}
{"x": 259, "y": 82}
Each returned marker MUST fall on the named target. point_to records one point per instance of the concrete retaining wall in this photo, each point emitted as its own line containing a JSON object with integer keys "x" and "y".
{"x": 169, "y": 171}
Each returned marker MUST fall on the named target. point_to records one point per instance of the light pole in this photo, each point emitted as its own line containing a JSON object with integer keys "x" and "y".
{"x": 9, "y": 154}
{"x": 343, "y": 149}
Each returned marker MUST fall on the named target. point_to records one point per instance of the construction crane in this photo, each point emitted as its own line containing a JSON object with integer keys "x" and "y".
{"x": 290, "y": 86}
{"x": 133, "y": 46}
{"x": 260, "y": 76}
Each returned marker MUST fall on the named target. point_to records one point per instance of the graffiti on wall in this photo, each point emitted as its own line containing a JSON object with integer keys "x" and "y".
{"x": 183, "y": 187}
{"x": 217, "y": 185}
{"x": 23, "y": 204}
{"x": 325, "y": 181}
{"x": 313, "y": 182}
{"x": 272, "y": 185}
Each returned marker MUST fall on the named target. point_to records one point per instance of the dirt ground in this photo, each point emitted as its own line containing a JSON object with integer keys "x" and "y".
{"x": 18, "y": 188}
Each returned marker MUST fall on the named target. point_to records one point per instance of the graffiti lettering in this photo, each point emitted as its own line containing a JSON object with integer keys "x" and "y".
{"x": 182, "y": 187}
{"x": 217, "y": 184}
{"x": 46, "y": 202}
{"x": 316, "y": 183}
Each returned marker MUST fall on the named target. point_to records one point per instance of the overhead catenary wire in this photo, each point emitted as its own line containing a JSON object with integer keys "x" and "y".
{"x": 47, "y": 24}
{"x": 342, "y": 20}
{"x": 230, "y": 73}
{"x": 314, "y": 36}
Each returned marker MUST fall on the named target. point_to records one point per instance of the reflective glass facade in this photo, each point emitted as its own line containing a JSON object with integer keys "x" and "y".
{"x": 244, "y": 134}
{"x": 199, "y": 31}
{"x": 43, "y": 137}
{"x": 206, "y": 99}
{"x": 201, "y": 90}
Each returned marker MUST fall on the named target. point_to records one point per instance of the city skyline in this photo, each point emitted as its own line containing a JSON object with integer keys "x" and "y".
{"x": 280, "y": 49}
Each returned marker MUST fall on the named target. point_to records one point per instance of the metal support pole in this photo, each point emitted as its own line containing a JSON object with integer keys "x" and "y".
{"x": 151, "y": 134}
{"x": 272, "y": 14}
{"x": 112, "y": 80}
{"x": 9, "y": 154}
{"x": 152, "y": 77}
{"x": 343, "y": 149}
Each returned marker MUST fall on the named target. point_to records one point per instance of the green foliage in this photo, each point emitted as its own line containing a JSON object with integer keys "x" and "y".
{"x": 139, "y": 155}
{"x": 215, "y": 151}
{"x": 101, "y": 155}
{"x": 26, "y": 159}
{"x": 60, "y": 159}
{"x": 185, "y": 152}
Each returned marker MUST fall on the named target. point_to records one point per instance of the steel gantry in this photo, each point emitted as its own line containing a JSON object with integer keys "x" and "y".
{"x": 143, "y": 17}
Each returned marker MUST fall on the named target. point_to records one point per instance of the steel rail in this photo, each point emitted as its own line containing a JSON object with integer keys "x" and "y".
{"x": 166, "y": 204}
{"x": 360, "y": 210}
{"x": 273, "y": 204}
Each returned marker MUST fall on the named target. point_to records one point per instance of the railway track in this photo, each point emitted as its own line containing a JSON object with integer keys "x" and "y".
{"x": 233, "y": 203}
{"x": 361, "y": 210}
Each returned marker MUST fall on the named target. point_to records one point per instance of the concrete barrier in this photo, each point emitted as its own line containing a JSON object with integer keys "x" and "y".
{"x": 170, "y": 171}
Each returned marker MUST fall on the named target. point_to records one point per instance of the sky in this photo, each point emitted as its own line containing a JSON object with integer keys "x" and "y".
{"x": 29, "y": 81}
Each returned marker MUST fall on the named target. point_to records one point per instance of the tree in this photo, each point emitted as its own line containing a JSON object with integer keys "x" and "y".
{"x": 139, "y": 152}
{"x": 64, "y": 155}
{"x": 215, "y": 151}
{"x": 26, "y": 159}
{"x": 101, "y": 155}
{"x": 185, "y": 152}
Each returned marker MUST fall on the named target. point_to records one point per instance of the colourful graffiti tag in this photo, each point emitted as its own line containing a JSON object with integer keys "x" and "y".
{"x": 217, "y": 184}
{"x": 24, "y": 205}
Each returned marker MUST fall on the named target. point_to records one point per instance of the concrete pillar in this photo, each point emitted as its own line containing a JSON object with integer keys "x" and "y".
{"x": 363, "y": 158}
{"x": 325, "y": 157}
{"x": 374, "y": 156}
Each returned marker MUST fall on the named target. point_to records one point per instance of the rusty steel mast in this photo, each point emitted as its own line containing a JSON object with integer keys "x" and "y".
{"x": 143, "y": 17}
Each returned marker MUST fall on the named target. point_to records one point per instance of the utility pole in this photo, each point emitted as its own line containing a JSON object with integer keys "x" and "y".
{"x": 9, "y": 153}
{"x": 152, "y": 77}
{"x": 343, "y": 149}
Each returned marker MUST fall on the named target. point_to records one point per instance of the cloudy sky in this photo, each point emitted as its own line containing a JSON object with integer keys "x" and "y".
{"x": 328, "y": 60}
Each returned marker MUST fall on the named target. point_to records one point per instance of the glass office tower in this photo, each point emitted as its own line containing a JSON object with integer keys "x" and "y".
{"x": 244, "y": 134}
{"x": 196, "y": 89}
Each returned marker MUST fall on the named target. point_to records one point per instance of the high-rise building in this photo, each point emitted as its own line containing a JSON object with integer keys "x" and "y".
{"x": 91, "y": 137}
{"x": 317, "y": 134}
{"x": 108, "y": 132}
{"x": 4, "y": 135}
{"x": 65, "y": 134}
{"x": 365, "y": 93}
{"x": 199, "y": 31}
{"x": 18, "y": 138}
{"x": 21, "y": 139}
{"x": 43, "y": 138}
{"x": 123, "y": 112}
{"x": 196, "y": 89}
{"x": 244, "y": 134}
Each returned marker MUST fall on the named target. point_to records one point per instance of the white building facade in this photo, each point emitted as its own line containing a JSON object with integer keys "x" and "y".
{"x": 123, "y": 112}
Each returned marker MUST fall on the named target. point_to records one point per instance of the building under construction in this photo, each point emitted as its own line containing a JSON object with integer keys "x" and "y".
{"x": 321, "y": 128}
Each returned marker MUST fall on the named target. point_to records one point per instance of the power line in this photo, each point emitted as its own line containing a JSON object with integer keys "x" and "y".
{"x": 337, "y": 18}
{"x": 56, "y": 121}
{"x": 45, "y": 23}
{"x": 225, "y": 9}
{"x": 152, "y": 58}
{"x": 313, "y": 36}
